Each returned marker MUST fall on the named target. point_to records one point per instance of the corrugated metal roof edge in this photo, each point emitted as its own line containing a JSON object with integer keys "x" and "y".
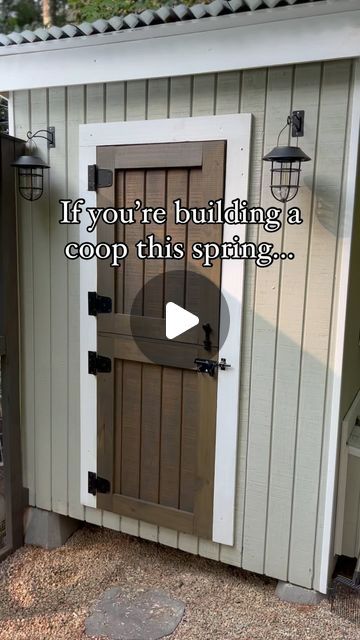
{"x": 146, "y": 18}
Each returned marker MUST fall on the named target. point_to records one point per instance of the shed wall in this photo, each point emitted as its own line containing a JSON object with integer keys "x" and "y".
{"x": 286, "y": 352}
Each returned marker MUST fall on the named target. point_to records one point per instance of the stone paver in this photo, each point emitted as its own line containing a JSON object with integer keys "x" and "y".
{"x": 138, "y": 614}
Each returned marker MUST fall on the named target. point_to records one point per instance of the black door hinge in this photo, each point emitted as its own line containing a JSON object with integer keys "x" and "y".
{"x": 96, "y": 484}
{"x": 98, "y": 178}
{"x": 98, "y": 364}
{"x": 98, "y": 304}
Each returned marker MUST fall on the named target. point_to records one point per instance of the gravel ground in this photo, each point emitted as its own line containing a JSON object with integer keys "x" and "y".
{"x": 48, "y": 594}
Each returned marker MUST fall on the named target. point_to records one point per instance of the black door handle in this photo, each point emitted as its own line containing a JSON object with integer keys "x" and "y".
{"x": 207, "y": 342}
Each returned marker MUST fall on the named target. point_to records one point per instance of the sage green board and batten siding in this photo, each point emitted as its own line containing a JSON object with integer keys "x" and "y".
{"x": 287, "y": 310}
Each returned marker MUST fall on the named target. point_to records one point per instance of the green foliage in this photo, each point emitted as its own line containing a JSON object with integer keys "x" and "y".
{"x": 16, "y": 15}
{"x": 90, "y": 10}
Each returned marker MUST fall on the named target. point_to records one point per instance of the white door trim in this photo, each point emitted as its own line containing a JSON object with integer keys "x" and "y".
{"x": 235, "y": 129}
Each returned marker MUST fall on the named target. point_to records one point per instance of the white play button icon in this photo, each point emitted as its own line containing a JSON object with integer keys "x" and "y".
{"x": 178, "y": 320}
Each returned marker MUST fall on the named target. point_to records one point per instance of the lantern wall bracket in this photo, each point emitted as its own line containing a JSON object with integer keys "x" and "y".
{"x": 297, "y": 119}
{"x": 49, "y": 136}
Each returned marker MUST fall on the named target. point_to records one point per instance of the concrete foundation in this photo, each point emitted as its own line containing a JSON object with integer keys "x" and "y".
{"x": 46, "y": 529}
{"x": 297, "y": 595}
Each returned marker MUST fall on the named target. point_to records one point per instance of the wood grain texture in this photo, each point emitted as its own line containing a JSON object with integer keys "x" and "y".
{"x": 140, "y": 429}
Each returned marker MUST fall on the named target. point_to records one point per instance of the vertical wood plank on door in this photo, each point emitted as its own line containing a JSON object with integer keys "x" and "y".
{"x": 25, "y": 222}
{"x": 151, "y": 395}
{"x": 176, "y": 188}
{"x": 252, "y": 100}
{"x": 42, "y": 319}
{"x": 75, "y": 117}
{"x": 158, "y": 107}
{"x": 181, "y": 92}
{"x": 155, "y": 186}
{"x": 95, "y": 112}
{"x": 170, "y": 438}
{"x": 135, "y": 109}
{"x": 319, "y": 300}
{"x": 263, "y": 356}
{"x": 131, "y": 435}
{"x": 133, "y": 269}
{"x": 59, "y": 306}
{"x": 289, "y": 343}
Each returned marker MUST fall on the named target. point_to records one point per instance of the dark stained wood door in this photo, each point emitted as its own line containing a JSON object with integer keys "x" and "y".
{"x": 156, "y": 422}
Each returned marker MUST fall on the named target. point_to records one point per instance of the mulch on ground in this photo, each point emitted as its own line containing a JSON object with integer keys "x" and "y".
{"x": 48, "y": 594}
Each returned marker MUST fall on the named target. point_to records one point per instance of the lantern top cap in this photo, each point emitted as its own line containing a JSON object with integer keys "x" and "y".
{"x": 286, "y": 154}
{"x": 30, "y": 162}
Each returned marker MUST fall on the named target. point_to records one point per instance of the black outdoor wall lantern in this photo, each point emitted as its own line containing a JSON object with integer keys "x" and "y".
{"x": 286, "y": 161}
{"x": 31, "y": 168}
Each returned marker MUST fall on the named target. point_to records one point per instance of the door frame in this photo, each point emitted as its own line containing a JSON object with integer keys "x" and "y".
{"x": 235, "y": 129}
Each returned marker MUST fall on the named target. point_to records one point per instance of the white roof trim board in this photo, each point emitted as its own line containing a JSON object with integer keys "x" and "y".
{"x": 164, "y": 15}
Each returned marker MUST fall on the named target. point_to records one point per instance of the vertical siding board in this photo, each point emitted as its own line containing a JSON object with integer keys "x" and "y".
{"x": 289, "y": 342}
{"x": 203, "y": 98}
{"x": 136, "y": 94}
{"x": 317, "y": 325}
{"x": 25, "y": 222}
{"x": 180, "y": 97}
{"x": 75, "y": 117}
{"x": 351, "y": 337}
{"x": 115, "y": 102}
{"x": 158, "y": 98}
{"x": 59, "y": 306}
{"x": 42, "y": 316}
{"x": 227, "y": 98}
{"x": 252, "y": 100}
{"x": 264, "y": 348}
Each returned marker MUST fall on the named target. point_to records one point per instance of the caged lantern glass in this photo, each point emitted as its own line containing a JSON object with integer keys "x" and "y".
{"x": 30, "y": 176}
{"x": 286, "y": 164}
{"x": 30, "y": 168}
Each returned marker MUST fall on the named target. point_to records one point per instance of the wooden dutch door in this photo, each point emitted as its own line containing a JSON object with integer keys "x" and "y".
{"x": 157, "y": 415}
